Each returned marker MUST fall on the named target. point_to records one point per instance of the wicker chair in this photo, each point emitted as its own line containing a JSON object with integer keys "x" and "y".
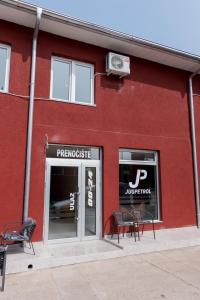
{"x": 123, "y": 219}
{"x": 138, "y": 217}
{"x": 19, "y": 233}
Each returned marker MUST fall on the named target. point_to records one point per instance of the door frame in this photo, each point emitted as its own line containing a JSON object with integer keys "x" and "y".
{"x": 81, "y": 164}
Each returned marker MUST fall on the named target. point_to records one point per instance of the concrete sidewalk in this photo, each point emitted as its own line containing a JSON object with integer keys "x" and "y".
{"x": 172, "y": 274}
{"x": 54, "y": 255}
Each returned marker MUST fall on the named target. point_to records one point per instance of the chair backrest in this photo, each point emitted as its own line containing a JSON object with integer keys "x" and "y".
{"x": 28, "y": 228}
{"x": 137, "y": 215}
{"x": 122, "y": 216}
{"x": 142, "y": 214}
{"x": 118, "y": 216}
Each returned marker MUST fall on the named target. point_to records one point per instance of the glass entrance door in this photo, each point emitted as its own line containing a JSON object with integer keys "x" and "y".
{"x": 72, "y": 200}
{"x": 63, "y": 202}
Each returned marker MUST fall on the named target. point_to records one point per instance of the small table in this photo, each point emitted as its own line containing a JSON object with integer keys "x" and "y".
{"x": 3, "y": 250}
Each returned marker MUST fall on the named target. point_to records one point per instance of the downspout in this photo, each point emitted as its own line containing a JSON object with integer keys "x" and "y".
{"x": 194, "y": 147}
{"x": 30, "y": 116}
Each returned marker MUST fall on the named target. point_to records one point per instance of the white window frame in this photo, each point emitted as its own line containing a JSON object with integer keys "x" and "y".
{"x": 7, "y": 73}
{"x": 72, "y": 80}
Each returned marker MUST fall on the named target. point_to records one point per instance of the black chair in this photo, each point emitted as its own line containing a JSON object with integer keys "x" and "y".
{"x": 123, "y": 219}
{"x": 3, "y": 250}
{"x": 140, "y": 218}
{"x": 19, "y": 233}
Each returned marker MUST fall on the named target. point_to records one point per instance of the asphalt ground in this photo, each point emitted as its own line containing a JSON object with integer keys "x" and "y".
{"x": 172, "y": 274}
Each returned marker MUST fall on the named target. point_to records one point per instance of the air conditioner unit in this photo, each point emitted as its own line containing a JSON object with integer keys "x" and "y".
{"x": 117, "y": 64}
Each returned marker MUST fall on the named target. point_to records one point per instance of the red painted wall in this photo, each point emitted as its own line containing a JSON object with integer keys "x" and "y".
{"x": 146, "y": 110}
{"x": 13, "y": 122}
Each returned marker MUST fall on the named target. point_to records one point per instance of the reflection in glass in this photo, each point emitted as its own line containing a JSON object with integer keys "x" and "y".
{"x": 61, "y": 79}
{"x": 138, "y": 188}
{"x": 83, "y": 84}
{"x": 90, "y": 201}
{"x": 137, "y": 155}
{"x": 3, "y": 59}
{"x": 63, "y": 208}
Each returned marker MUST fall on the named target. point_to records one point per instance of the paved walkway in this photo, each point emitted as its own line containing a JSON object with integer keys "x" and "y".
{"x": 171, "y": 274}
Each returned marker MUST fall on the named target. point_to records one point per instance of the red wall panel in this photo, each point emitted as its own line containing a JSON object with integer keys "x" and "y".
{"x": 13, "y": 122}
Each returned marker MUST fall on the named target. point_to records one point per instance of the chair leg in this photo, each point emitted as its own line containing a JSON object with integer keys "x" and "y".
{"x": 118, "y": 232}
{"x": 138, "y": 235}
{"x": 134, "y": 233}
{"x": 142, "y": 228}
{"x": 138, "y": 231}
{"x": 3, "y": 282}
{"x": 112, "y": 234}
{"x": 113, "y": 230}
{"x": 30, "y": 243}
{"x": 154, "y": 235}
{"x": 3, "y": 273}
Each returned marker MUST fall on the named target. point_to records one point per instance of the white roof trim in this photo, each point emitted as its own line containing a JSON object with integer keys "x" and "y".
{"x": 25, "y": 14}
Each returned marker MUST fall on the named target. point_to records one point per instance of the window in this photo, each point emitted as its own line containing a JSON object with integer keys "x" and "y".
{"x": 72, "y": 81}
{"x": 4, "y": 67}
{"x": 138, "y": 181}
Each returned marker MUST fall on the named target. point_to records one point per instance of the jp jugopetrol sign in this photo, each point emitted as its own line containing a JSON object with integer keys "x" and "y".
{"x": 72, "y": 152}
{"x": 140, "y": 175}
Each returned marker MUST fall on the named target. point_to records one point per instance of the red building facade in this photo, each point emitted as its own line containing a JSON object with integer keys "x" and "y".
{"x": 144, "y": 112}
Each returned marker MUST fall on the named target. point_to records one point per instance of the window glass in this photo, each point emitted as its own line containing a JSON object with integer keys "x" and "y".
{"x": 61, "y": 79}
{"x": 82, "y": 84}
{"x": 72, "y": 81}
{"x": 138, "y": 186}
{"x": 137, "y": 155}
{"x": 3, "y": 62}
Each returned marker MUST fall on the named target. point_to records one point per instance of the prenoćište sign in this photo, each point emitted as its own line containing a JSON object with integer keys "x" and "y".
{"x": 72, "y": 152}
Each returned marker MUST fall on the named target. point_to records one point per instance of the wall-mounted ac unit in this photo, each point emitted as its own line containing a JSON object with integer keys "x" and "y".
{"x": 117, "y": 64}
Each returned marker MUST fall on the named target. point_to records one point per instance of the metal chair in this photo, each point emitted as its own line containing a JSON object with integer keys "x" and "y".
{"x": 123, "y": 219}
{"x": 138, "y": 217}
{"x": 19, "y": 233}
{"x": 3, "y": 250}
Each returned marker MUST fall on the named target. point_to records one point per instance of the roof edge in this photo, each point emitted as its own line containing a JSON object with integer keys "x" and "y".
{"x": 59, "y": 17}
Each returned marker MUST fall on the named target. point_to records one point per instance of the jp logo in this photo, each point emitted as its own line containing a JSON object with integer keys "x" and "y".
{"x": 141, "y": 175}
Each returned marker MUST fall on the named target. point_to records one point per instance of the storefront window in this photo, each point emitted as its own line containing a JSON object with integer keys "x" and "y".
{"x": 138, "y": 186}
